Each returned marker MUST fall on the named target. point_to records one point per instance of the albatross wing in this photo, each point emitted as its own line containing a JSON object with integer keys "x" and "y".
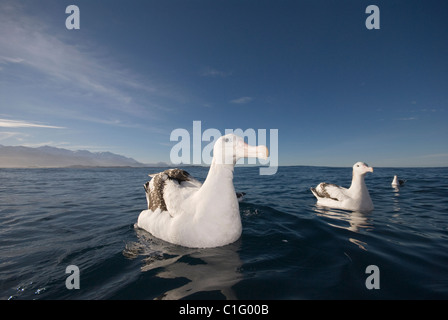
{"x": 329, "y": 191}
{"x": 166, "y": 189}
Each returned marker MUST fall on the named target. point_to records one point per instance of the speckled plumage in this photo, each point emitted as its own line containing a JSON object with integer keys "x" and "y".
{"x": 321, "y": 190}
{"x": 154, "y": 188}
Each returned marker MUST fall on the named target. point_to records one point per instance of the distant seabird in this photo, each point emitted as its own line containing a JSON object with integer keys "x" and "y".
{"x": 240, "y": 196}
{"x": 397, "y": 182}
{"x": 183, "y": 211}
{"x": 355, "y": 198}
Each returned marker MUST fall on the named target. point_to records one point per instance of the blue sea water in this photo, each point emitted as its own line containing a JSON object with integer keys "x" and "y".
{"x": 289, "y": 249}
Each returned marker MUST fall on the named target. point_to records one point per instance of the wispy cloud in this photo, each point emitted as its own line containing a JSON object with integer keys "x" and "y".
{"x": 242, "y": 100}
{"x": 5, "y": 123}
{"x": 407, "y": 119}
{"x": 5, "y": 135}
{"x": 61, "y": 62}
{"x": 5, "y": 60}
{"x": 214, "y": 73}
{"x": 78, "y": 70}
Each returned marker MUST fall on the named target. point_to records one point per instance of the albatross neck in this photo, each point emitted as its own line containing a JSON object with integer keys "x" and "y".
{"x": 221, "y": 172}
{"x": 219, "y": 180}
{"x": 358, "y": 184}
{"x": 218, "y": 187}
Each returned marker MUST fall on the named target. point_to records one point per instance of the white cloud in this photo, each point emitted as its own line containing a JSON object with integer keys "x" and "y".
{"x": 24, "y": 124}
{"x": 7, "y": 135}
{"x": 242, "y": 100}
{"x": 81, "y": 69}
{"x": 5, "y": 60}
{"x": 53, "y": 77}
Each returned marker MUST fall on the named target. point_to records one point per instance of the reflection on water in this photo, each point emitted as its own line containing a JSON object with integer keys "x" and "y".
{"x": 396, "y": 202}
{"x": 213, "y": 269}
{"x": 356, "y": 220}
{"x": 353, "y": 221}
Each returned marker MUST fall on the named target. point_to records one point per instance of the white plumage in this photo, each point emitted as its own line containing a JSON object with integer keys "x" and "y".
{"x": 355, "y": 198}
{"x": 183, "y": 211}
{"x": 397, "y": 182}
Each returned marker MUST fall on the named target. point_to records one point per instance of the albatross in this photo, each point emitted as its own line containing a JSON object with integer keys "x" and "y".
{"x": 355, "y": 198}
{"x": 183, "y": 211}
{"x": 397, "y": 182}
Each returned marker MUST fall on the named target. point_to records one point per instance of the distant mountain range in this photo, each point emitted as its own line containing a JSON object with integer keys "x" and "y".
{"x": 51, "y": 157}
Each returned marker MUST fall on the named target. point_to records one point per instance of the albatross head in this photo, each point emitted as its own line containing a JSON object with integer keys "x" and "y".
{"x": 361, "y": 168}
{"x": 230, "y": 148}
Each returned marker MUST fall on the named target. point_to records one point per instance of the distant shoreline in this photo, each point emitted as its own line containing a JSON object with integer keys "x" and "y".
{"x": 198, "y": 166}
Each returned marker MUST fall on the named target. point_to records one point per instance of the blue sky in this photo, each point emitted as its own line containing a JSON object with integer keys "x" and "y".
{"x": 337, "y": 92}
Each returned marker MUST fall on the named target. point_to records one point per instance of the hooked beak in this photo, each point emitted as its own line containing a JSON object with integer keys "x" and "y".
{"x": 260, "y": 152}
{"x": 369, "y": 169}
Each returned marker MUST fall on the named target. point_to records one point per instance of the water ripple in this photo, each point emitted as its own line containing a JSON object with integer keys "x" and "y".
{"x": 290, "y": 248}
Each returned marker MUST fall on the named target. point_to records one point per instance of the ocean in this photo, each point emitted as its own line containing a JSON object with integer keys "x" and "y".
{"x": 54, "y": 219}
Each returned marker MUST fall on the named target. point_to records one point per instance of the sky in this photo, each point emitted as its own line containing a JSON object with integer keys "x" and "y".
{"x": 336, "y": 91}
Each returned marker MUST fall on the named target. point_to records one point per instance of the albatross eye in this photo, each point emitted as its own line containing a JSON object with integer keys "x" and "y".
{"x": 226, "y": 140}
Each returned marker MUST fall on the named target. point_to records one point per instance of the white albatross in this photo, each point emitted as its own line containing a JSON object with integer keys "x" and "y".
{"x": 397, "y": 182}
{"x": 185, "y": 212}
{"x": 355, "y": 198}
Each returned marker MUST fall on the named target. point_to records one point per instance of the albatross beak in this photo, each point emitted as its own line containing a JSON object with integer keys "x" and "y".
{"x": 260, "y": 152}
